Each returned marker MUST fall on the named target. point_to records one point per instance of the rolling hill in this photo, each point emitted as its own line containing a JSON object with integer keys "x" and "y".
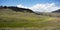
{"x": 17, "y": 9}
{"x": 12, "y": 20}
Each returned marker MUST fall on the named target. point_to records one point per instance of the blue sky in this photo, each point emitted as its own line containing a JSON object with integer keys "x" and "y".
{"x": 27, "y": 2}
{"x": 35, "y": 5}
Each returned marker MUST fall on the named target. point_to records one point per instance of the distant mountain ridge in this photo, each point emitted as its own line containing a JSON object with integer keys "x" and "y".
{"x": 57, "y": 11}
{"x": 17, "y": 9}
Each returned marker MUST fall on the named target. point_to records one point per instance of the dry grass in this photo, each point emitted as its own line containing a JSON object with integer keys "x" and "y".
{"x": 27, "y": 21}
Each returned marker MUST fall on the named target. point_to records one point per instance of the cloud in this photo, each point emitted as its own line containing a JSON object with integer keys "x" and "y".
{"x": 42, "y": 7}
{"x": 45, "y": 7}
{"x": 21, "y": 6}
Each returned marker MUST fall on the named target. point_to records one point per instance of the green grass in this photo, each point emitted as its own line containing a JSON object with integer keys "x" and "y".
{"x": 20, "y": 19}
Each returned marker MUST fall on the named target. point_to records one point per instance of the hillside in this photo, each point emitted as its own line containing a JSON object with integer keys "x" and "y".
{"x": 17, "y": 9}
{"x": 57, "y": 11}
{"x": 12, "y": 20}
{"x": 7, "y": 17}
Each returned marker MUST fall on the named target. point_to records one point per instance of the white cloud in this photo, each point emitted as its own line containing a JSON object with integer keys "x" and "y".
{"x": 21, "y": 6}
{"x": 42, "y": 7}
{"x": 45, "y": 7}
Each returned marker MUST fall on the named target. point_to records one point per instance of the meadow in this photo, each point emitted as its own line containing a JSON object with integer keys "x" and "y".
{"x": 12, "y": 19}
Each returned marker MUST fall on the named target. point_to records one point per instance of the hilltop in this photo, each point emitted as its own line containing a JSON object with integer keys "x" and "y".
{"x": 17, "y": 9}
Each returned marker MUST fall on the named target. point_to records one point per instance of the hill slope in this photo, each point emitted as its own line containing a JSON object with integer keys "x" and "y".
{"x": 17, "y": 9}
{"x": 57, "y": 11}
{"x": 10, "y": 18}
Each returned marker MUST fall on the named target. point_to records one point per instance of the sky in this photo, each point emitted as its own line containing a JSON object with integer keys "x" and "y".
{"x": 35, "y": 5}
